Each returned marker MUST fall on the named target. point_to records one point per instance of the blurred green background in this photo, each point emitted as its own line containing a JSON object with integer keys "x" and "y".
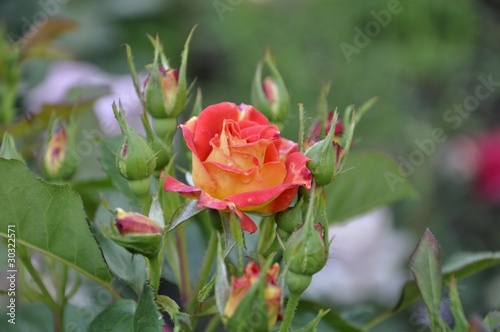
{"x": 426, "y": 58}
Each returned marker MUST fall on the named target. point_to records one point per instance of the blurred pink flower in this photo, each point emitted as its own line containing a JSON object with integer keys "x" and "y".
{"x": 478, "y": 159}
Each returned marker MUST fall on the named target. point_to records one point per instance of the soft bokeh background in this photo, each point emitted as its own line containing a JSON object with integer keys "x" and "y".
{"x": 425, "y": 60}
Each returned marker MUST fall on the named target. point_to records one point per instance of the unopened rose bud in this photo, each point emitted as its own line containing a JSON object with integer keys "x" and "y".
{"x": 8, "y": 148}
{"x": 59, "y": 159}
{"x": 305, "y": 254}
{"x": 270, "y": 95}
{"x": 135, "y": 160}
{"x": 135, "y": 223}
{"x": 271, "y": 91}
{"x": 324, "y": 157}
{"x": 160, "y": 92}
{"x": 136, "y": 233}
{"x": 305, "y": 250}
{"x": 165, "y": 90}
{"x": 239, "y": 290}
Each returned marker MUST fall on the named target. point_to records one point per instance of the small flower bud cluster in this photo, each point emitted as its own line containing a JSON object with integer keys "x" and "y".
{"x": 164, "y": 94}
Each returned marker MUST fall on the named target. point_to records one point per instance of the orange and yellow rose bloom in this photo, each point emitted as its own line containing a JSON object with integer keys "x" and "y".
{"x": 240, "y": 163}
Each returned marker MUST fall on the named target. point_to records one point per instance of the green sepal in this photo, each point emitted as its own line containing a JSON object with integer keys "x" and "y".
{"x": 148, "y": 245}
{"x": 306, "y": 251}
{"x": 323, "y": 157}
{"x": 162, "y": 151}
{"x": 8, "y": 148}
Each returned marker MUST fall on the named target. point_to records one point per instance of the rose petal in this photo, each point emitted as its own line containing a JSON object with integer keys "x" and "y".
{"x": 172, "y": 184}
{"x": 209, "y": 123}
{"x": 297, "y": 171}
{"x": 213, "y": 203}
{"x": 205, "y": 200}
{"x": 250, "y": 114}
{"x": 229, "y": 181}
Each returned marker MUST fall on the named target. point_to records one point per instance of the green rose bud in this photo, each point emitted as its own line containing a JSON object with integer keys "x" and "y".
{"x": 323, "y": 157}
{"x": 136, "y": 233}
{"x": 270, "y": 95}
{"x": 60, "y": 161}
{"x": 306, "y": 250}
{"x": 160, "y": 92}
{"x": 136, "y": 160}
{"x": 165, "y": 90}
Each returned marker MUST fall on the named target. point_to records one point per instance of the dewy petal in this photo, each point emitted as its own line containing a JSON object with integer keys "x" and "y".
{"x": 209, "y": 123}
{"x": 201, "y": 178}
{"x": 172, "y": 184}
{"x": 286, "y": 148}
{"x": 273, "y": 173}
{"x": 297, "y": 171}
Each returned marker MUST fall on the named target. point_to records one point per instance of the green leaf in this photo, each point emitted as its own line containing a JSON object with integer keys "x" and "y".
{"x": 466, "y": 263}
{"x": 146, "y": 317}
{"x": 118, "y": 317}
{"x": 171, "y": 307}
{"x": 34, "y": 316}
{"x": 425, "y": 264}
{"x": 492, "y": 320}
{"x": 189, "y": 210}
{"x": 460, "y": 322}
{"x": 460, "y": 265}
{"x": 363, "y": 108}
{"x": 369, "y": 180}
{"x": 49, "y": 218}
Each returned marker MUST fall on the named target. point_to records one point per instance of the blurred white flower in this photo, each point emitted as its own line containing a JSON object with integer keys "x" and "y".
{"x": 367, "y": 262}
{"x": 66, "y": 75}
